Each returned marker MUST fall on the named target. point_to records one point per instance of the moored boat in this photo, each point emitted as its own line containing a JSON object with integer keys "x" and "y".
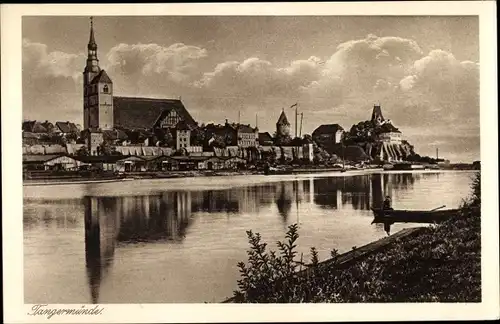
{"x": 412, "y": 216}
{"x": 403, "y": 167}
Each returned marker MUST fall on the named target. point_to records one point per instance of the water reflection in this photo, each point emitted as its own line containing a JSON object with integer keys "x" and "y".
{"x": 166, "y": 217}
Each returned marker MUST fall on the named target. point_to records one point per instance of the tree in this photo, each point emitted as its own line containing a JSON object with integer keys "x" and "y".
{"x": 71, "y": 137}
{"x": 197, "y": 137}
{"x": 282, "y": 140}
{"x": 82, "y": 151}
{"x": 107, "y": 149}
{"x": 168, "y": 138}
{"x": 308, "y": 138}
{"x": 320, "y": 155}
{"x": 218, "y": 141}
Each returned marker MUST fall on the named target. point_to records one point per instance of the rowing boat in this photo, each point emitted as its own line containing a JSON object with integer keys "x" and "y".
{"x": 412, "y": 216}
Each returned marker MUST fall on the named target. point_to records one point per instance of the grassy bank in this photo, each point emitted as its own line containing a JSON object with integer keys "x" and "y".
{"x": 438, "y": 263}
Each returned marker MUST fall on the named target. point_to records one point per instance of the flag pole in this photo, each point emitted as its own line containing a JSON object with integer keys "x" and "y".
{"x": 301, "y": 118}
{"x": 296, "y": 113}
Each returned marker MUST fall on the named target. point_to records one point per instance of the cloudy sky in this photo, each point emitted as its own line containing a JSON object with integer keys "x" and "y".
{"x": 424, "y": 71}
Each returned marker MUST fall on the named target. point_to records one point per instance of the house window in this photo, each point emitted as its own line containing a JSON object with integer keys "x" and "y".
{"x": 173, "y": 118}
{"x": 105, "y": 89}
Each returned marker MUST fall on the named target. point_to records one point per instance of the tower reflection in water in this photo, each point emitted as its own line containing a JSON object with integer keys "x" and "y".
{"x": 114, "y": 221}
{"x": 361, "y": 192}
{"x": 110, "y": 221}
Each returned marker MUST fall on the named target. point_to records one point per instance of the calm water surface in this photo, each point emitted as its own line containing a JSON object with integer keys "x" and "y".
{"x": 179, "y": 240}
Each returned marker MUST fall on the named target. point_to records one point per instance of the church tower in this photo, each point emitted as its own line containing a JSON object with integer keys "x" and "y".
{"x": 97, "y": 90}
{"x": 282, "y": 125}
{"x": 377, "y": 117}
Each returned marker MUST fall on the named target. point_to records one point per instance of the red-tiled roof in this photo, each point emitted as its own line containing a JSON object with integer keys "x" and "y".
{"x": 143, "y": 113}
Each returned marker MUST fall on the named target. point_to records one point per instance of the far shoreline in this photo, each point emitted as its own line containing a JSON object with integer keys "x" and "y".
{"x": 207, "y": 174}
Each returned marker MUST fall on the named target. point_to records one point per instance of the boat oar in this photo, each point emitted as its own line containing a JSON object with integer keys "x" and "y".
{"x": 438, "y": 208}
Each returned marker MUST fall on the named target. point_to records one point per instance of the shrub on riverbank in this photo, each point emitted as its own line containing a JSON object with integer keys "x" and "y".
{"x": 440, "y": 263}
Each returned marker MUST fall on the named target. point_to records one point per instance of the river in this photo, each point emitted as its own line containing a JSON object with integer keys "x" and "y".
{"x": 179, "y": 240}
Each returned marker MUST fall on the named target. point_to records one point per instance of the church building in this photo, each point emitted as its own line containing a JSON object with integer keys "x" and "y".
{"x": 97, "y": 91}
{"x": 102, "y": 111}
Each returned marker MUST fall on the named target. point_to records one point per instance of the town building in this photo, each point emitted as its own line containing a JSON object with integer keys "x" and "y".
{"x": 33, "y": 126}
{"x": 265, "y": 139}
{"x": 94, "y": 138}
{"x": 183, "y": 135}
{"x": 390, "y": 134}
{"x": 55, "y": 162}
{"x": 233, "y": 134}
{"x": 387, "y": 132}
{"x": 51, "y": 129}
{"x": 247, "y": 136}
{"x": 63, "y": 128}
{"x": 328, "y": 134}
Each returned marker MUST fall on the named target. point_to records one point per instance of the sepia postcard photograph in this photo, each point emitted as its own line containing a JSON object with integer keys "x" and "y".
{"x": 250, "y": 162}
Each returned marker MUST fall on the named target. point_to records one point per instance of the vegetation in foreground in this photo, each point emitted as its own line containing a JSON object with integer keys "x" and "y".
{"x": 439, "y": 264}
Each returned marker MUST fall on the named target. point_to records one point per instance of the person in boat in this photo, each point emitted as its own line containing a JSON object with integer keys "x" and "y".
{"x": 387, "y": 204}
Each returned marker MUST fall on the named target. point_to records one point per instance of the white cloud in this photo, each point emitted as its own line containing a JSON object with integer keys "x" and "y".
{"x": 175, "y": 60}
{"x": 39, "y": 63}
{"x": 439, "y": 82}
{"x": 255, "y": 77}
{"x": 407, "y": 82}
{"x": 360, "y": 64}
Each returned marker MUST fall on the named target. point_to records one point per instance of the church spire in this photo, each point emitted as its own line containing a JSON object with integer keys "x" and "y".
{"x": 92, "y": 61}
{"x": 92, "y": 44}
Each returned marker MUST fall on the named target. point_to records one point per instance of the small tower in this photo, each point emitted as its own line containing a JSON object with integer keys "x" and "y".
{"x": 282, "y": 125}
{"x": 97, "y": 90}
{"x": 377, "y": 117}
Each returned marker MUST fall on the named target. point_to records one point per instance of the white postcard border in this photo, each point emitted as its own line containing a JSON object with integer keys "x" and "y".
{"x": 15, "y": 311}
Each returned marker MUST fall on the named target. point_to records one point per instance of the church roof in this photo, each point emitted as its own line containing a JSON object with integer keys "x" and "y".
{"x": 102, "y": 77}
{"x": 282, "y": 120}
{"x": 143, "y": 113}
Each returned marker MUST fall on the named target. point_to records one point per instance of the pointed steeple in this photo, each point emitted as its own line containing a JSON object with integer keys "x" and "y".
{"x": 377, "y": 116}
{"x": 92, "y": 44}
{"x": 92, "y": 60}
{"x": 282, "y": 120}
